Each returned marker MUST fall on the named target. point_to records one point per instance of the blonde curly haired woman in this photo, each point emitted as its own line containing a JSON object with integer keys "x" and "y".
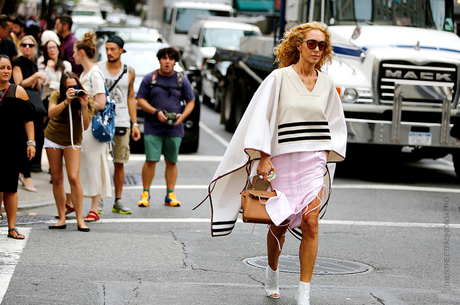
{"x": 293, "y": 126}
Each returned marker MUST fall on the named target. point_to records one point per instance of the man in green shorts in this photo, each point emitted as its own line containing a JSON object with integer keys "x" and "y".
{"x": 159, "y": 95}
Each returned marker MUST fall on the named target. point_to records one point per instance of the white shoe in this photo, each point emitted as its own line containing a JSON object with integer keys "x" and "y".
{"x": 271, "y": 283}
{"x": 303, "y": 295}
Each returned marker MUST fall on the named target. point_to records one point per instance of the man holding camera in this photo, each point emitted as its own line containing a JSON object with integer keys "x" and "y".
{"x": 160, "y": 95}
{"x": 120, "y": 79}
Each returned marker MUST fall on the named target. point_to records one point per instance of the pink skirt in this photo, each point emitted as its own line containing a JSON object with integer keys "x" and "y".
{"x": 300, "y": 176}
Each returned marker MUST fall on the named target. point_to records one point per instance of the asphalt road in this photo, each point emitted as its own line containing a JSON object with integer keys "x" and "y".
{"x": 400, "y": 219}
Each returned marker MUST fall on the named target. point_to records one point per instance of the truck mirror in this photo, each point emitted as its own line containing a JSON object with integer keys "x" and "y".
{"x": 194, "y": 40}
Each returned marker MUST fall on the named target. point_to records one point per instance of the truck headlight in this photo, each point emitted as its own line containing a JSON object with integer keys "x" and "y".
{"x": 350, "y": 95}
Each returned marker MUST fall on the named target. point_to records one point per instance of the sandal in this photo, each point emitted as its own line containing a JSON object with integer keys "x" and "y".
{"x": 68, "y": 210}
{"x": 92, "y": 216}
{"x": 18, "y": 235}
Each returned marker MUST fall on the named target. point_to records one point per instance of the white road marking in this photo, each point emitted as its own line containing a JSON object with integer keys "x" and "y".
{"x": 395, "y": 188}
{"x": 190, "y": 158}
{"x": 10, "y": 253}
{"x": 214, "y": 135}
{"x": 322, "y": 222}
{"x": 334, "y": 186}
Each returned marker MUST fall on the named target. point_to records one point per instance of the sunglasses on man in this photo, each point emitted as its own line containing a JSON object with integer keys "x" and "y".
{"x": 312, "y": 43}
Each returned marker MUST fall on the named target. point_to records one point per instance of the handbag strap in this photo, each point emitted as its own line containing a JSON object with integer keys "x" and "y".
{"x": 254, "y": 182}
{"x": 125, "y": 69}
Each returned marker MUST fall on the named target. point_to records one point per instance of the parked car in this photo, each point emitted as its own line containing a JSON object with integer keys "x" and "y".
{"x": 212, "y": 83}
{"x": 205, "y": 36}
{"x": 142, "y": 57}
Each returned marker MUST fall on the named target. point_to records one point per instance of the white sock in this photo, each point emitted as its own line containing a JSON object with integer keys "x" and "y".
{"x": 271, "y": 281}
{"x": 303, "y": 295}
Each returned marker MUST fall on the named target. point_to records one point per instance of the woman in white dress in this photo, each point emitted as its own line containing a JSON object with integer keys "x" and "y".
{"x": 94, "y": 168}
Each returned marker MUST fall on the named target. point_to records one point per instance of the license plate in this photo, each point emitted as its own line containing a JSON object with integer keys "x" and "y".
{"x": 416, "y": 138}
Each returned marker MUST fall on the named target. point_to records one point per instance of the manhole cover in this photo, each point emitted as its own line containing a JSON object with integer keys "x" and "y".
{"x": 323, "y": 266}
{"x": 26, "y": 220}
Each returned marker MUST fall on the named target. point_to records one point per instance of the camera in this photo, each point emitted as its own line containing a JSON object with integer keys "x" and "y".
{"x": 79, "y": 93}
{"x": 171, "y": 119}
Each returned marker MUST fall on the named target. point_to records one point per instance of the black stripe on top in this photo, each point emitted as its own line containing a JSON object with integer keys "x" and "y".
{"x": 296, "y": 124}
{"x": 323, "y": 130}
{"x": 304, "y": 139}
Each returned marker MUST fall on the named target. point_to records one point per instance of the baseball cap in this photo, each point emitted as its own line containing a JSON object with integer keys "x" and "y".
{"x": 118, "y": 40}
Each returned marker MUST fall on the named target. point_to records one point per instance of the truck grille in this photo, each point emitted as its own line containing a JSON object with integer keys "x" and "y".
{"x": 389, "y": 71}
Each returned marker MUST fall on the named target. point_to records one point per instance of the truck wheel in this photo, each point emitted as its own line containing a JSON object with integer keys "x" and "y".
{"x": 226, "y": 111}
{"x": 217, "y": 101}
{"x": 241, "y": 100}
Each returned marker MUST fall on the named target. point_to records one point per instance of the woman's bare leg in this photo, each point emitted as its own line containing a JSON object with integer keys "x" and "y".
{"x": 55, "y": 162}
{"x": 72, "y": 161}
{"x": 309, "y": 244}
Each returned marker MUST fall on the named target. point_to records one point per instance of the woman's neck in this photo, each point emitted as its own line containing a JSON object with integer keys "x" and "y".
{"x": 304, "y": 68}
{"x": 87, "y": 64}
{"x": 3, "y": 85}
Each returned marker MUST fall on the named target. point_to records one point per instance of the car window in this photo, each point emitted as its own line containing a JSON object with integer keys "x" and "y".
{"x": 225, "y": 38}
{"x": 187, "y": 16}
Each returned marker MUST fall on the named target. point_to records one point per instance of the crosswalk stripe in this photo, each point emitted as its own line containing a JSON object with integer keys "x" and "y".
{"x": 10, "y": 253}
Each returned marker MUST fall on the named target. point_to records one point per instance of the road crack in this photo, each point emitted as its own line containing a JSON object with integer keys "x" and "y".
{"x": 377, "y": 298}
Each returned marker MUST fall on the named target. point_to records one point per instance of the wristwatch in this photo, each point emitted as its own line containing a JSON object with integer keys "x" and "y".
{"x": 31, "y": 143}
{"x": 156, "y": 112}
{"x": 135, "y": 124}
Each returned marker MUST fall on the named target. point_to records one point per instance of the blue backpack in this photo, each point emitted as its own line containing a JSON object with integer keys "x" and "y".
{"x": 103, "y": 124}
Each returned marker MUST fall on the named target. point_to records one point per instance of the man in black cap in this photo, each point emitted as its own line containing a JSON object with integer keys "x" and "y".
{"x": 19, "y": 27}
{"x": 120, "y": 82}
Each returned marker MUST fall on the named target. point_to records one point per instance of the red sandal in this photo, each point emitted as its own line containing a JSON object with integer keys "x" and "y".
{"x": 92, "y": 216}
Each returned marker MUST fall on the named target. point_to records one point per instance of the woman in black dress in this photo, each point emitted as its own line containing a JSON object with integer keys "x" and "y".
{"x": 26, "y": 75}
{"x": 16, "y": 113}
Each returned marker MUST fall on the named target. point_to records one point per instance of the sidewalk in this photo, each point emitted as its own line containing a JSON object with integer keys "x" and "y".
{"x": 44, "y": 196}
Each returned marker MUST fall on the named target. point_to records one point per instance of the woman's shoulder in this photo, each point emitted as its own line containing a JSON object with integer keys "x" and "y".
{"x": 67, "y": 66}
{"x": 21, "y": 93}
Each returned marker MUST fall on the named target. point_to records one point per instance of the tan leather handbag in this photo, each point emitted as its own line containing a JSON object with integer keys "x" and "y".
{"x": 253, "y": 204}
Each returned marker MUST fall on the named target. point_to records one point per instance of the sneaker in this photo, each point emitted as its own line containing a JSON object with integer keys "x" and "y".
{"x": 145, "y": 200}
{"x": 100, "y": 207}
{"x": 171, "y": 200}
{"x": 119, "y": 208}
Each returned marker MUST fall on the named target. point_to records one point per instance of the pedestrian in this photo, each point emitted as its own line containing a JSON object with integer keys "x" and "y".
{"x": 160, "y": 95}
{"x": 69, "y": 116}
{"x": 294, "y": 125}
{"x": 7, "y": 46}
{"x": 120, "y": 81}
{"x": 19, "y": 30}
{"x": 52, "y": 66}
{"x": 94, "y": 168}
{"x": 26, "y": 75}
{"x": 16, "y": 114}
{"x": 63, "y": 27}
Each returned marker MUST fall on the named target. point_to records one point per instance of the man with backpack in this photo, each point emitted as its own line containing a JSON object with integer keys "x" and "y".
{"x": 120, "y": 79}
{"x": 160, "y": 95}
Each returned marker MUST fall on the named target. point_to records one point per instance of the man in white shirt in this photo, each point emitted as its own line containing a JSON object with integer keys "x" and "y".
{"x": 120, "y": 79}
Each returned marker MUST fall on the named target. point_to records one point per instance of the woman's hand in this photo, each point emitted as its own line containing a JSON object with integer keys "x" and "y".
{"x": 84, "y": 101}
{"x": 30, "y": 152}
{"x": 50, "y": 63}
{"x": 265, "y": 165}
{"x": 70, "y": 95}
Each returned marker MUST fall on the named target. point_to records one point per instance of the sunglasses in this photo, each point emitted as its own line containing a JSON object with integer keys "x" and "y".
{"x": 30, "y": 45}
{"x": 311, "y": 44}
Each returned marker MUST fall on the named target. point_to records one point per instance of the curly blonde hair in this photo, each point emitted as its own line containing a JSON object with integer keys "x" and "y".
{"x": 287, "y": 53}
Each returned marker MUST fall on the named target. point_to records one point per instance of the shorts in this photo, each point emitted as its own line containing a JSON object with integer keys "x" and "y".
{"x": 50, "y": 144}
{"x": 155, "y": 146}
{"x": 120, "y": 148}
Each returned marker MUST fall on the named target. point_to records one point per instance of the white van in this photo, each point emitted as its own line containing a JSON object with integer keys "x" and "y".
{"x": 179, "y": 17}
{"x": 205, "y": 36}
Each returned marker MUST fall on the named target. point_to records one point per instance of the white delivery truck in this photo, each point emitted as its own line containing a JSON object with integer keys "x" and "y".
{"x": 179, "y": 17}
{"x": 395, "y": 65}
